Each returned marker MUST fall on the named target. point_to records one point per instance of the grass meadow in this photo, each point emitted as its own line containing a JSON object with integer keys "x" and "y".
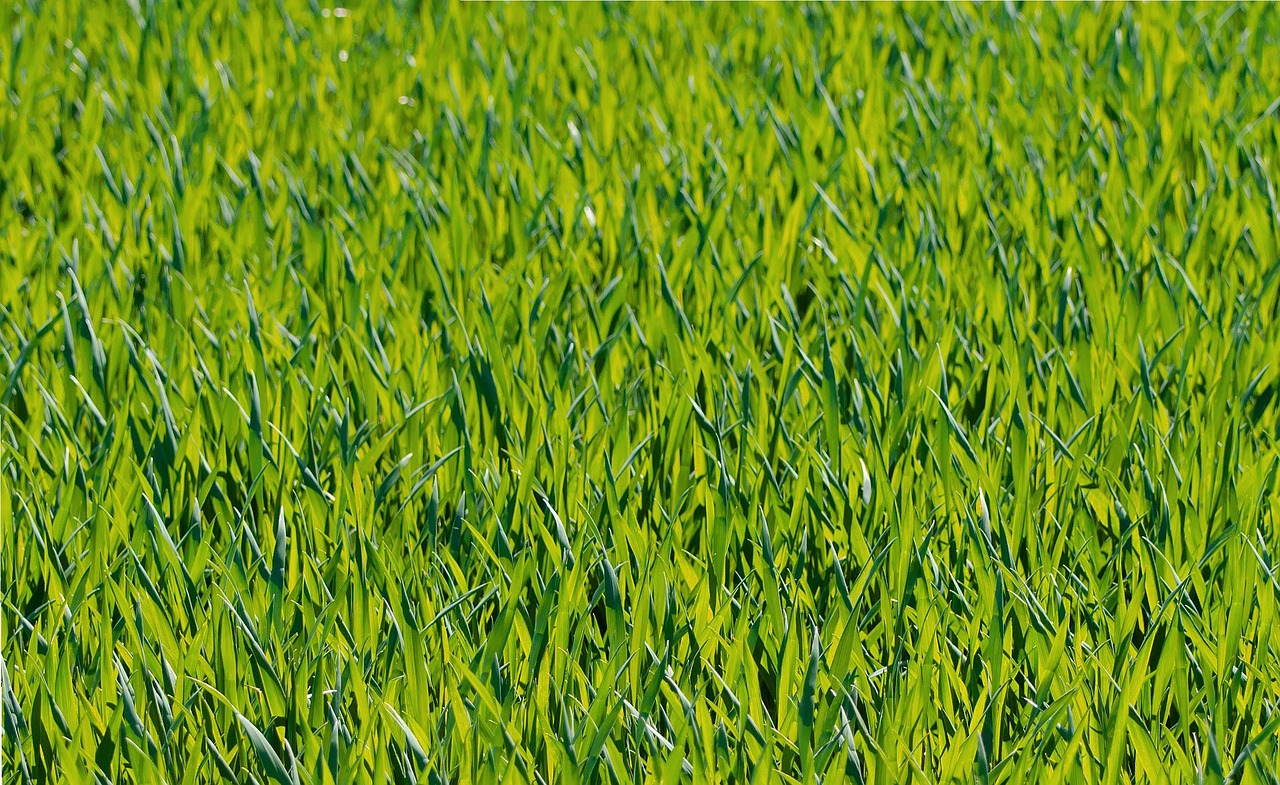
{"x": 469, "y": 393}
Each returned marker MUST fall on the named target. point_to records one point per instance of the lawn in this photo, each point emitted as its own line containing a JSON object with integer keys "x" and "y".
{"x": 438, "y": 393}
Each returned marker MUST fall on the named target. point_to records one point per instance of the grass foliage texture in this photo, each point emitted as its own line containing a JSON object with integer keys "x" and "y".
{"x": 557, "y": 394}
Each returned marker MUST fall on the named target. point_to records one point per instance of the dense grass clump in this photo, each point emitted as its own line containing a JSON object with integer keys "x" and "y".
{"x": 672, "y": 393}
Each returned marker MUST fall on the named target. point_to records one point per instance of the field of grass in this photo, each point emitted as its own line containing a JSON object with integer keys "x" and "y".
{"x": 639, "y": 393}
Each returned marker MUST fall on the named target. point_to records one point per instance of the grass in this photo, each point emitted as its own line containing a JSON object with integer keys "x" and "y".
{"x": 639, "y": 393}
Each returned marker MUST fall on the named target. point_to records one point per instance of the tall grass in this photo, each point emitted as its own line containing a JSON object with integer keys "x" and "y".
{"x": 630, "y": 393}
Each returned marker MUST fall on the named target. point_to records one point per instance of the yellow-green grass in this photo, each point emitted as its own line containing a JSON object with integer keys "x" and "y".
{"x": 639, "y": 393}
